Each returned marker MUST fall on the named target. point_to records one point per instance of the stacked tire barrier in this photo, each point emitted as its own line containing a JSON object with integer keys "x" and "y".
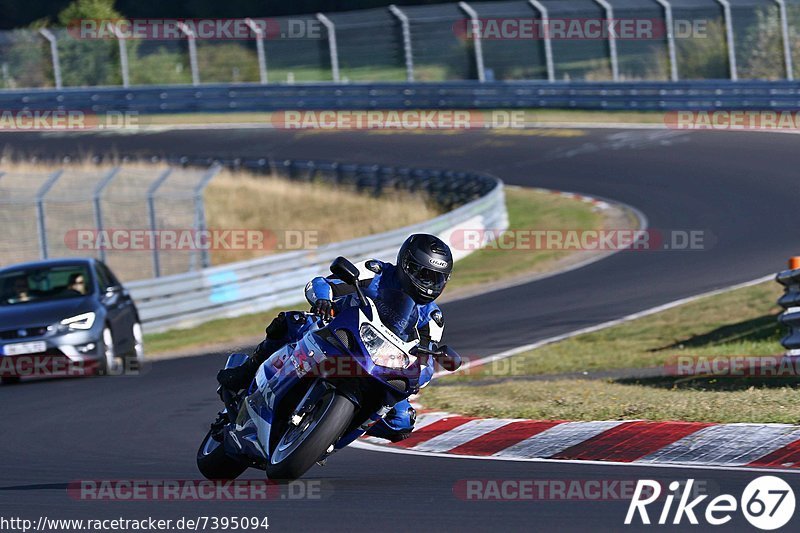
{"x": 790, "y": 302}
{"x": 474, "y": 201}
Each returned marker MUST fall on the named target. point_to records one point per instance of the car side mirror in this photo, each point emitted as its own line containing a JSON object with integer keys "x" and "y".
{"x": 112, "y": 291}
{"x": 345, "y": 270}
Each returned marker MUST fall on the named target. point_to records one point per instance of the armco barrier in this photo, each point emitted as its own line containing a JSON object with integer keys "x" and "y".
{"x": 238, "y": 288}
{"x": 644, "y": 96}
{"x": 790, "y": 302}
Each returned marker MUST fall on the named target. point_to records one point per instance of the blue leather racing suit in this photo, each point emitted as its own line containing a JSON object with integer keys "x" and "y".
{"x": 374, "y": 278}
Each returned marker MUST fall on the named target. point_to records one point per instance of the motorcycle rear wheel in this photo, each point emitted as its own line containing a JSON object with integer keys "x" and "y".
{"x": 300, "y": 446}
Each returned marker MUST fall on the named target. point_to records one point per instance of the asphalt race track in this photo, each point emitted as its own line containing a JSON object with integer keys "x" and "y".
{"x": 740, "y": 187}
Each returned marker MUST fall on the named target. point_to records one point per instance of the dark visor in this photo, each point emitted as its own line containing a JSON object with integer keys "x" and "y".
{"x": 425, "y": 277}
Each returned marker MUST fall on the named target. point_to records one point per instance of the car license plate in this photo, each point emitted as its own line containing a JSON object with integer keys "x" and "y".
{"x": 22, "y": 348}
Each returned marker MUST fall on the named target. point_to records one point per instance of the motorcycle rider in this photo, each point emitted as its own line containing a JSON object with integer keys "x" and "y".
{"x": 424, "y": 264}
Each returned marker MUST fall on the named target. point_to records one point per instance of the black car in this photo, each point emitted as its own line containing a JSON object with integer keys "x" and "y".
{"x": 64, "y": 316}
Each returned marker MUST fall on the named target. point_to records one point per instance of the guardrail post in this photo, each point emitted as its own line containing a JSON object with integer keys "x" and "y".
{"x": 123, "y": 54}
{"x": 47, "y": 34}
{"x": 200, "y": 210}
{"x": 406, "y": 31}
{"x": 726, "y": 11}
{"x": 190, "y": 36}
{"x": 477, "y": 45}
{"x": 332, "y": 48}
{"x": 262, "y": 58}
{"x": 98, "y": 212}
{"x": 40, "y": 217}
{"x": 671, "y": 49}
{"x": 151, "y": 215}
{"x": 548, "y": 43}
{"x": 787, "y": 50}
{"x": 612, "y": 38}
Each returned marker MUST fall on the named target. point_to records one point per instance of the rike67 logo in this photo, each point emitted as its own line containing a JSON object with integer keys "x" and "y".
{"x": 767, "y": 503}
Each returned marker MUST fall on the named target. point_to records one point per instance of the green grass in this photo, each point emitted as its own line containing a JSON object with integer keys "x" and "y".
{"x": 527, "y": 209}
{"x": 602, "y": 400}
{"x": 542, "y": 383}
{"x": 221, "y": 331}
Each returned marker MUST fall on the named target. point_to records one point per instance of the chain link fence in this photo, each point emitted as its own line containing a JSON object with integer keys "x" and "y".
{"x": 506, "y": 40}
{"x": 120, "y": 215}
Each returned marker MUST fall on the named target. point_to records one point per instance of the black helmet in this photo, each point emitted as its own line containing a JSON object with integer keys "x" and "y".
{"x": 424, "y": 263}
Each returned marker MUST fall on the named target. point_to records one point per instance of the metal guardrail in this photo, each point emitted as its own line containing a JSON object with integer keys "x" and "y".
{"x": 643, "y": 96}
{"x": 230, "y": 290}
{"x": 790, "y": 302}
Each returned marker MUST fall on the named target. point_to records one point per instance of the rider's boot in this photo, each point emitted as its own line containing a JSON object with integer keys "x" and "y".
{"x": 397, "y": 425}
{"x": 240, "y": 377}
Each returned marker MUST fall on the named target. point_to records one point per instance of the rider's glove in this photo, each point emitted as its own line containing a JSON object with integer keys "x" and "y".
{"x": 324, "y": 308}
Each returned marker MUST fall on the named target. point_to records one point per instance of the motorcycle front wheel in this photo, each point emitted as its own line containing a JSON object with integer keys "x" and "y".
{"x": 214, "y": 463}
{"x": 305, "y": 442}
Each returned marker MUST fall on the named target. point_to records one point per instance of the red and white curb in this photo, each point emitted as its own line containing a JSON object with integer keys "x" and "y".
{"x": 772, "y": 446}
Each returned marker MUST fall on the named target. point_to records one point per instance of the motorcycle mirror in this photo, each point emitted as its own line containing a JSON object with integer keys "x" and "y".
{"x": 344, "y": 270}
{"x": 347, "y": 272}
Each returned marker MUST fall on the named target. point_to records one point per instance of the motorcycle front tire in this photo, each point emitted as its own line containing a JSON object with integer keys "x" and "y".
{"x": 299, "y": 447}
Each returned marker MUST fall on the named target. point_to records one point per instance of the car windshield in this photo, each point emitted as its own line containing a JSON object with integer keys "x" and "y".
{"x": 43, "y": 284}
{"x": 399, "y": 313}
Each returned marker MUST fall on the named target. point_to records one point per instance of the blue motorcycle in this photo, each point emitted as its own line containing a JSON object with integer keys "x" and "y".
{"x": 317, "y": 395}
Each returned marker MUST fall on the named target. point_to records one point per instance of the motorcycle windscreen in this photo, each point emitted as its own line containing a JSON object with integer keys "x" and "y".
{"x": 399, "y": 313}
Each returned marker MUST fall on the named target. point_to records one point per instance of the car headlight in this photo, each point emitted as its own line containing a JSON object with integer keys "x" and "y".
{"x": 382, "y": 352}
{"x": 82, "y": 321}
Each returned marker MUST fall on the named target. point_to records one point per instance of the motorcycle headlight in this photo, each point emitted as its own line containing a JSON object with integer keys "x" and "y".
{"x": 82, "y": 321}
{"x": 382, "y": 352}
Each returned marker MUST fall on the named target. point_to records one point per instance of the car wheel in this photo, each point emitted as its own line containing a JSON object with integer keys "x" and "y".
{"x": 137, "y": 356}
{"x": 109, "y": 364}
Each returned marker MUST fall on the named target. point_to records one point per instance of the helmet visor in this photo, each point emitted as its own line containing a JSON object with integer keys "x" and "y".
{"x": 426, "y": 278}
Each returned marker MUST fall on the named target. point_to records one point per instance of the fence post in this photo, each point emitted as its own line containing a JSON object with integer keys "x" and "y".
{"x": 787, "y": 50}
{"x": 123, "y": 54}
{"x": 726, "y": 11}
{"x": 187, "y": 31}
{"x": 98, "y": 213}
{"x": 40, "y": 218}
{"x": 151, "y": 215}
{"x": 334, "y": 50}
{"x": 407, "y": 50}
{"x": 47, "y": 34}
{"x": 200, "y": 210}
{"x": 612, "y": 38}
{"x": 671, "y": 50}
{"x": 477, "y": 45}
{"x": 548, "y": 43}
{"x": 262, "y": 58}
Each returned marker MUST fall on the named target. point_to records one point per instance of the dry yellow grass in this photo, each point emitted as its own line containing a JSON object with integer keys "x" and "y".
{"x": 291, "y": 214}
{"x": 316, "y": 212}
